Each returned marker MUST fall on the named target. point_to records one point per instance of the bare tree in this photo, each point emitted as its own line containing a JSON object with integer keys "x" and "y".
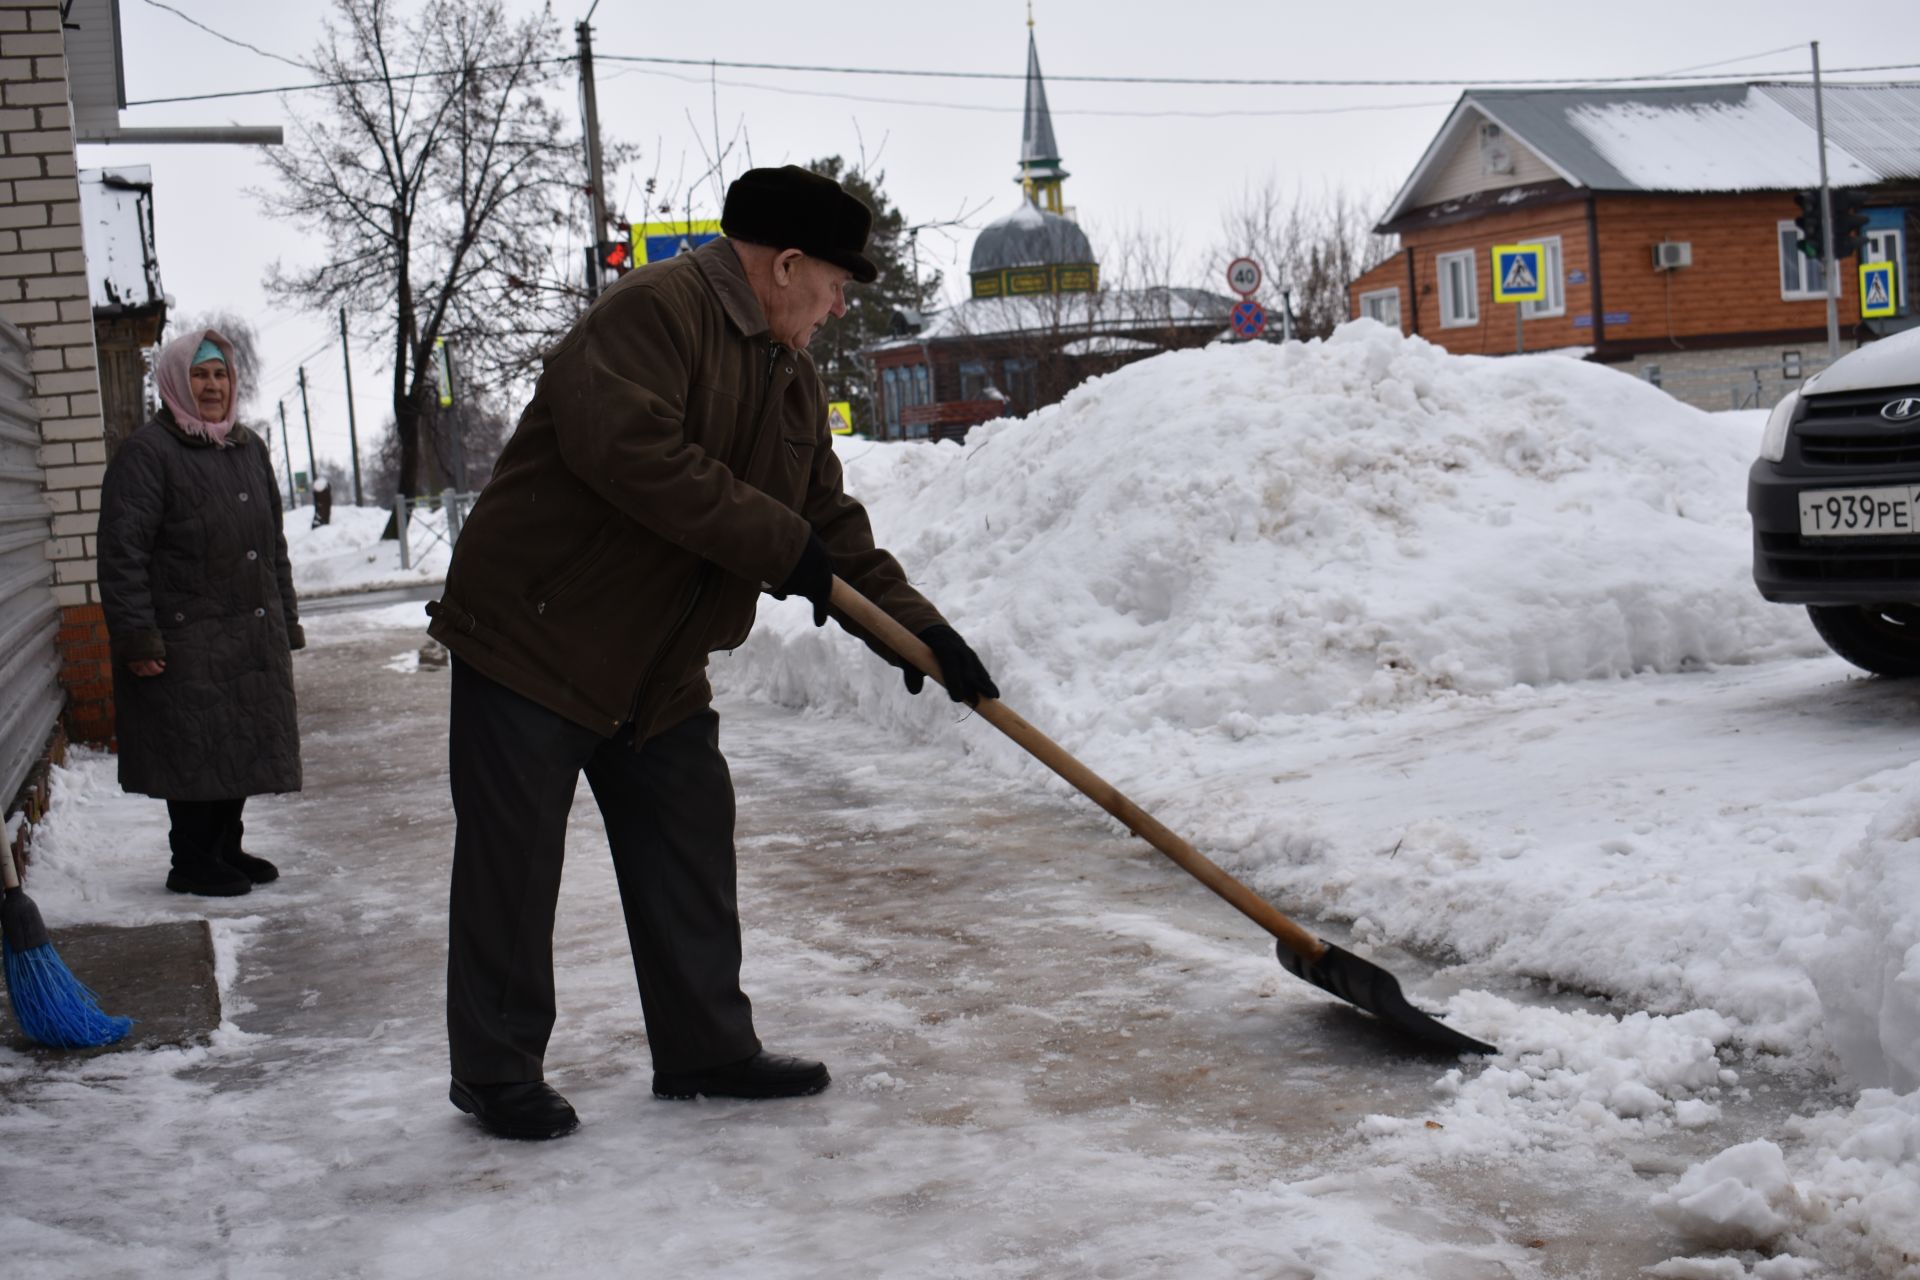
{"x": 437, "y": 177}
{"x": 1314, "y": 243}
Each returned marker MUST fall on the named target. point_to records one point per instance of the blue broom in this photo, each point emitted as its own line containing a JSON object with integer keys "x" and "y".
{"x": 50, "y": 1004}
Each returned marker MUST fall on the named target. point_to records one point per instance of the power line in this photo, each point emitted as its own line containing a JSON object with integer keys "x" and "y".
{"x": 1241, "y": 82}
{"x": 221, "y": 35}
{"x": 923, "y": 73}
{"x": 1015, "y": 110}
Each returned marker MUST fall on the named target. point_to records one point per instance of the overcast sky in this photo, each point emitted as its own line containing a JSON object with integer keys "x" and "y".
{"x": 1163, "y": 157}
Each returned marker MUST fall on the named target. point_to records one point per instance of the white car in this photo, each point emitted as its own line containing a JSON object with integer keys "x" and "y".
{"x": 1835, "y": 501}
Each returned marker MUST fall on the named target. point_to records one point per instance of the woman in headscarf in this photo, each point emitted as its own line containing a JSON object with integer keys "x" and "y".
{"x": 198, "y": 596}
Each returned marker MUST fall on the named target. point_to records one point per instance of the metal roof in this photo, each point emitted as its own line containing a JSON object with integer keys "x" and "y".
{"x": 1037, "y": 147}
{"x": 1700, "y": 138}
{"x": 1029, "y": 237}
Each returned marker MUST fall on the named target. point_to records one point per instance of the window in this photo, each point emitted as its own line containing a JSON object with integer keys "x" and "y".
{"x": 1800, "y": 276}
{"x": 1382, "y": 305}
{"x": 1555, "y": 303}
{"x": 973, "y": 379}
{"x": 890, "y": 380}
{"x": 1459, "y": 290}
{"x": 1889, "y": 244}
{"x": 922, "y": 385}
{"x": 1019, "y": 384}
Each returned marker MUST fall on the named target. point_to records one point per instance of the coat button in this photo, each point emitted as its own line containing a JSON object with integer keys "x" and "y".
{"x": 179, "y": 617}
{"x": 253, "y": 555}
{"x": 243, "y": 497}
{"x": 259, "y": 613}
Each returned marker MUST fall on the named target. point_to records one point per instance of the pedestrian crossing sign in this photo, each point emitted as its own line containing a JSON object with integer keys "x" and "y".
{"x": 1519, "y": 273}
{"x": 840, "y": 417}
{"x": 1878, "y": 293}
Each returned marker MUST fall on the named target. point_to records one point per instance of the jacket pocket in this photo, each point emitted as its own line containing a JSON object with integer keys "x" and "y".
{"x": 794, "y": 464}
{"x": 568, "y": 573}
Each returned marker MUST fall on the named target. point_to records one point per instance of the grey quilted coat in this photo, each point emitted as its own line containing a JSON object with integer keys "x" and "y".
{"x": 194, "y": 572}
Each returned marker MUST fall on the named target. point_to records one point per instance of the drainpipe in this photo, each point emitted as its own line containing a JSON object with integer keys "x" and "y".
{"x": 1593, "y": 274}
{"x": 1413, "y": 295}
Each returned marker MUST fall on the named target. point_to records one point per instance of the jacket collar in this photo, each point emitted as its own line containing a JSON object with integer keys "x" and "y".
{"x": 239, "y": 435}
{"x": 721, "y": 266}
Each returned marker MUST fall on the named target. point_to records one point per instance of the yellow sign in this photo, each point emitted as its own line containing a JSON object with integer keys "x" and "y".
{"x": 840, "y": 418}
{"x": 1519, "y": 273}
{"x": 658, "y": 241}
{"x": 1879, "y": 295}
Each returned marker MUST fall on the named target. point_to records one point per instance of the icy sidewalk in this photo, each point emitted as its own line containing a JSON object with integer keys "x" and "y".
{"x": 1053, "y": 1055}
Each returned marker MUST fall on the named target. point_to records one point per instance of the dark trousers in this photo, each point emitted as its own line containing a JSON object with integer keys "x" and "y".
{"x": 668, "y": 810}
{"x": 204, "y": 830}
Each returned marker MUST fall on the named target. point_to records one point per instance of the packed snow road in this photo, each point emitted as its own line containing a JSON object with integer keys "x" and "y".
{"x": 1053, "y": 1053}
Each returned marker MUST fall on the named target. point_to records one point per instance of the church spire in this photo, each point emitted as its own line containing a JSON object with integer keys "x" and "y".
{"x": 1040, "y": 171}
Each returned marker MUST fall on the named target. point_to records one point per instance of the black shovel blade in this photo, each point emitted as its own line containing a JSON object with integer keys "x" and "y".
{"x": 1368, "y": 986}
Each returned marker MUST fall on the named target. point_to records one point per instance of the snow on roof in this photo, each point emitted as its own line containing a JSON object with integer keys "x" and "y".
{"x": 1701, "y": 138}
{"x": 1117, "y": 309}
{"x": 1752, "y": 145}
{"x": 116, "y": 222}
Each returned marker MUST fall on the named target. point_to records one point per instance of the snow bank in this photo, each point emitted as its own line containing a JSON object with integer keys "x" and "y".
{"x": 1868, "y": 976}
{"x": 1849, "y": 1194}
{"x": 1219, "y": 537}
{"x": 348, "y": 555}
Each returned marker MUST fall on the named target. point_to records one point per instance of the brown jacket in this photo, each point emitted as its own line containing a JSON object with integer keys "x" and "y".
{"x": 670, "y": 462}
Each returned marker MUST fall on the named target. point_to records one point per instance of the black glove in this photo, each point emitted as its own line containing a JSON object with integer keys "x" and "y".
{"x": 966, "y": 679}
{"x": 812, "y": 578}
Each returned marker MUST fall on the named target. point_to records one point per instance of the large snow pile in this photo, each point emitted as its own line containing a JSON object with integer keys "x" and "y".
{"x": 1218, "y": 537}
{"x": 347, "y": 554}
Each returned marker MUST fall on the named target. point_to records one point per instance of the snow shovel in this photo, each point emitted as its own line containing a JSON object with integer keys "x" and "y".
{"x": 1358, "y": 982}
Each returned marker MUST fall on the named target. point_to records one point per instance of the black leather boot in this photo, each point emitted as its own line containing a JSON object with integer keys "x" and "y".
{"x": 764, "y": 1075}
{"x": 208, "y": 877}
{"x": 530, "y": 1110}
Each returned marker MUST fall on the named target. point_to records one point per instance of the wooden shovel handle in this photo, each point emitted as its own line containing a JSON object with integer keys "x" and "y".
{"x": 1089, "y": 783}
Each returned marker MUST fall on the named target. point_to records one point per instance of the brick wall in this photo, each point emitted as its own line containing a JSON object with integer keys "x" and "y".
{"x": 1733, "y": 285}
{"x": 43, "y": 290}
{"x": 1730, "y": 297}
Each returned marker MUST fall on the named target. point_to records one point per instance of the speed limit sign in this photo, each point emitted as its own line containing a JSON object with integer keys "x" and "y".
{"x": 1243, "y": 277}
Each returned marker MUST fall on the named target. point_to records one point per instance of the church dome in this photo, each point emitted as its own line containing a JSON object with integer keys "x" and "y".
{"x": 1030, "y": 237}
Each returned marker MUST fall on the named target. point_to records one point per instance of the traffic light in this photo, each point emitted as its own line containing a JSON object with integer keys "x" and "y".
{"x": 1809, "y": 223}
{"x": 616, "y": 256}
{"x": 1849, "y": 224}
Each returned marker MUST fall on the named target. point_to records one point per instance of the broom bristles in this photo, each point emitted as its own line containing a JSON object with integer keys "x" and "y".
{"x": 54, "y": 1007}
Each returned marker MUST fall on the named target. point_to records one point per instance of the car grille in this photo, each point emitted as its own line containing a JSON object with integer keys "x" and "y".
{"x": 1845, "y": 430}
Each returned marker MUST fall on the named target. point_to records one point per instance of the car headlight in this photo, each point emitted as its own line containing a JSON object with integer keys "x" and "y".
{"x": 1773, "y": 444}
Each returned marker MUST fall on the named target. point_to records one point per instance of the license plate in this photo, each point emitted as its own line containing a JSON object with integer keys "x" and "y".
{"x": 1860, "y": 513}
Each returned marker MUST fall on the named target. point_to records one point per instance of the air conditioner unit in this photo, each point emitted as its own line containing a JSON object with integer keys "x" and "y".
{"x": 1669, "y": 254}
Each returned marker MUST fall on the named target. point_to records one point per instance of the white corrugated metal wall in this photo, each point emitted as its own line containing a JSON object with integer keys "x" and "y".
{"x": 30, "y": 694}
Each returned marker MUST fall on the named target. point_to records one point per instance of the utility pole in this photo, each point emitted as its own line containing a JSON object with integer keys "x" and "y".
{"x": 353, "y": 431}
{"x": 1829, "y": 268}
{"x": 313, "y": 468}
{"x": 286, "y": 451}
{"x": 596, "y": 179}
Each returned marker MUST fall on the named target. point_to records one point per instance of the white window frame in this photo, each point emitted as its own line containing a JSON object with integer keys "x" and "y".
{"x": 1471, "y": 282}
{"x": 1898, "y": 257}
{"x": 1806, "y": 267}
{"x": 1369, "y": 305}
{"x": 1555, "y": 303}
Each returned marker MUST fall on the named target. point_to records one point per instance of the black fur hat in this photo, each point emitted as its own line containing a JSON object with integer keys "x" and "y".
{"x": 794, "y": 208}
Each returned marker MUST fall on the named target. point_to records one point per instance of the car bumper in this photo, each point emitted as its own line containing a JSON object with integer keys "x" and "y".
{"x": 1791, "y": 569}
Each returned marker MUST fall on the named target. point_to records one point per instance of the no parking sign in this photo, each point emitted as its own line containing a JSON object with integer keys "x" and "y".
{"x": 1249, "y": 319}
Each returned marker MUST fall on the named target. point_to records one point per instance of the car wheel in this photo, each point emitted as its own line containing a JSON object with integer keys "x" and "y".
{"x": 1881, "y": 638}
